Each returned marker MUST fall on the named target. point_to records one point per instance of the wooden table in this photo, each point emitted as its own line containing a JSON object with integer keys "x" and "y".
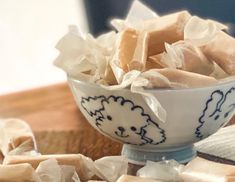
{"x": 58, "y": 124}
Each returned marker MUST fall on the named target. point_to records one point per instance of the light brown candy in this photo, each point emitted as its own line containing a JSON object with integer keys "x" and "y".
{"x": 168, "y": 28}
{"x": 128, "y": 178}
{"x": 16, "y": 136}
{"x": 83, "y": 165}
{"x": 109, "y": 76}
{"x": 138, "y": 61}
{"x": 155, "y": 79}
{"x": 18, "y": 141}
{"x": 207, "y": 171}
{"x": 155, "y": 62}
{"x": 152, "y": 65}
{"x": 179, "y": 78}
{"x": 221, "y": 49}
{"x": 18, "y": 173}
{"x": 230, "y": 178}
{"x": 218, "y": 72}
{"x": 128, "y": 43}
{"x": 193, "y": 59}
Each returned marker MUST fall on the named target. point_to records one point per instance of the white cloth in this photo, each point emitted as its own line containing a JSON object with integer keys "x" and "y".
{"x": 221, "y": 144}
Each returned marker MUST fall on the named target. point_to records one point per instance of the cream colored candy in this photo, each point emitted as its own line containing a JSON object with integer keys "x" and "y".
{"x": 179, "y": 78}
{"x": 110, "y": 168}
{"x": 109, "y": 76}
{"x": 218, "y": 73}
{"x": 184, "y": 55}
{"x": 128, "y": 178}
{"x": 194, "y": 59}
{"x": 200, "y": 31}
{"x": 221, "y": 49}
{"x": 16, "y": 137}
{"x": 207, "y": 171}
{"x": 151, "y": 64}
{"x": 127, "y": 47}
{"x": 83, "y": 165}
{"x": 168, "y": 28}
{"x": 138, "y": 61}
{"x": 155, "y": 62}
{"x": 18, "y": 173}
{"x": 152, "y": 79}
{"x": 50, "y": 171}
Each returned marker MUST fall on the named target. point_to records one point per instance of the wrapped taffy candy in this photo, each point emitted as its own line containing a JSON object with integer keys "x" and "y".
{"x": 179, "y": 45}
{"x": 221, "y": 49}
{"x": 50, "y": 171}
{"x": 16, "y": 137}
{"x": 166, "y": 29}
{"x": 47, "y": 171}
{"x": 128, "y": 178}
{"x": 85, "y": 57}
{"x": 136, "y": 45}
{"x": 133, "y": 48}
{"x": 83, "y": 165}
{"x": 207, "y": 171}
{"x": 18, "y": 173}
{"x": 200, "y": 31}
{"x": 185, "y": 56}
{"x": 111, "y": 168}
{"x": 173, "y": 78}
{"x": 166, "y": 170}
{"x": 127, "y": 47}
{"x": 215, "y": 44}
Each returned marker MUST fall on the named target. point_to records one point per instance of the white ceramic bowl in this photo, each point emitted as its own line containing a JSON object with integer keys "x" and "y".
{"x": 192, "y": 114}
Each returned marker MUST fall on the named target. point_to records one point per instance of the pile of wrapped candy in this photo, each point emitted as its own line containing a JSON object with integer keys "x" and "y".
{"x": 21, "y": 162}
{"x": 177, "y": 50}
{"x": 147, "y": 51}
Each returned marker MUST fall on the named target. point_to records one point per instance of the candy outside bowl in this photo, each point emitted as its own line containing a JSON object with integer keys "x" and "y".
{"x": 192, "y": 115}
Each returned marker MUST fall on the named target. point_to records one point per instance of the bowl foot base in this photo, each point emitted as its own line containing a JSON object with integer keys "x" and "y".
{"x": 136, "y": 155}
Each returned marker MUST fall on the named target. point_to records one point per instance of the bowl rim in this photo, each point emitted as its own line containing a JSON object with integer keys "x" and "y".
{"x": 226, "y": 82}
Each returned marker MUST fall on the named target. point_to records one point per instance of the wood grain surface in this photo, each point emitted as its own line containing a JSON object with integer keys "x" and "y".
{"x": 58, "y": 124}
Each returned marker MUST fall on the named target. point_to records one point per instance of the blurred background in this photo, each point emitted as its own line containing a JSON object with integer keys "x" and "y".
{"x": 30, "y": 29}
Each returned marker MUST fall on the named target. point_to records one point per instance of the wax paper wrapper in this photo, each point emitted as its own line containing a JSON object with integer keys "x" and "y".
{"x": 47, "y": 171}
{"x": 16, "y": 137}
{"x": 137, "y": 14}
{"x": 186, "y": 56}
{"x": 207, "y": 171}
{"x": 111, "y": 168}
{"x": 221, "y": 50}
{"x": 85, "y": 58}
{"x": 83, "y": 165}
{"x": 128, "y": 178}
{"x": 18, "y": 173}
{"x": 166, "y": 170}
{"x": 200, "y": 31}
{"x": 50, "y": 171}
